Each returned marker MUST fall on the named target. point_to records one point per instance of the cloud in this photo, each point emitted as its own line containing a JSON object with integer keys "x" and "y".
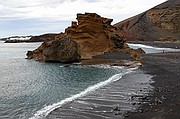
{"x": 31, "y": 27}
{"x": 48, "y": 12}
{"x": 67, "y": 9}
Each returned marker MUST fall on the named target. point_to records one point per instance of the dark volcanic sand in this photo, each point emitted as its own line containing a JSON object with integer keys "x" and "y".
{"x": 165, "y": 100}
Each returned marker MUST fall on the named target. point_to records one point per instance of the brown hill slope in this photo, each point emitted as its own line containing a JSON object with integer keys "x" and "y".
{"x": 159, "y": 23}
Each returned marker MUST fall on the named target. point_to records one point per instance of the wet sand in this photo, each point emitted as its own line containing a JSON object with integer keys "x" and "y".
{"x": 112, "y": 101}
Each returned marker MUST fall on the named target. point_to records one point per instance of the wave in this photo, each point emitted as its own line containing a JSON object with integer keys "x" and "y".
{"x": 151, "y": 47}
{"x": 41, "y": 114}
{"x": 101, "y": 66}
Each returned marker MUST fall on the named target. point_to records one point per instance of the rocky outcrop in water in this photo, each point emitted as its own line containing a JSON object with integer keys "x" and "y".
{"x": 61, "y": 50}
{"x": 91, "y": 35}
{"x": 160, "y": 22}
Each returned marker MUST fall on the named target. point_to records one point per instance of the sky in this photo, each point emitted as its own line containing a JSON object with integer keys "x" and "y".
{"x": 35, "y": 17}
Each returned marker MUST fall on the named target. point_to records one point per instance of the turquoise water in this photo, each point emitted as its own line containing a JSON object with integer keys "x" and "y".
{"x": 27, "y": 86}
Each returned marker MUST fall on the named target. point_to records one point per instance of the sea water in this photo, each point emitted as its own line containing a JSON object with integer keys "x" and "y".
{"x": 29, "y": 87}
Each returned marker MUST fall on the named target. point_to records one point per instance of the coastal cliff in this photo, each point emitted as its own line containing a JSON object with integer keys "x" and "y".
{"x": 160, "y": 23}
{"x": 91, "y": 35}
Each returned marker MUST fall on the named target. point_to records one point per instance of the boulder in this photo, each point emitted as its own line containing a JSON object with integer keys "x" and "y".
{"x": 61, "y": 50}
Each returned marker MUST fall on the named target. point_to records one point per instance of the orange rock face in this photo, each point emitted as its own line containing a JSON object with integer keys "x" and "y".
{"x": 94, "y": 35}
{"x": 89, "y": 36}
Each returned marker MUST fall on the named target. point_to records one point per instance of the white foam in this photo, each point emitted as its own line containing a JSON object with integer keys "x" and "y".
{"x": 103, "y": 66}
{"x": 150, "y": 47}
{"x": 20, "y": 38}
{"x": 41, "y": 114}
{"x": 140, "y": 45}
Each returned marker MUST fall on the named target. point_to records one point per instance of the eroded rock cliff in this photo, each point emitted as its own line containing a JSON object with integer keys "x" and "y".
{"x": 160, "y": 22}
{"x": 91, "y": 35}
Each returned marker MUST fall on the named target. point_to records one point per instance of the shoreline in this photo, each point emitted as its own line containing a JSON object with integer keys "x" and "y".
{"x": 87, "y": 92}
{"x": 164, "y": 102}
{"x": 102, "y": 103}
{"x": 174, "y": 45}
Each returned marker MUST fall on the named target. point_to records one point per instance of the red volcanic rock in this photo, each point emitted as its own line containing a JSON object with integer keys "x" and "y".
{"x": 94, "y": 35}
{"x": 161, "y": 21}
{"x": 90, "y": 35}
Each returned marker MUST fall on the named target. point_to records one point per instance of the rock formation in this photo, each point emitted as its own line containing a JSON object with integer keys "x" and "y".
{"x": 43, "y": 38}
{"x": 160, "y": 22}
{"x": 63, "y": 50}
{"x": 91, "y": 35}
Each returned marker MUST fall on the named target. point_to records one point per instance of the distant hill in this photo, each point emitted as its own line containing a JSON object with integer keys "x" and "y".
{"x": 16, "y": 38}
{"x": 40, "y": 38}
{"x": 159, "y": 23}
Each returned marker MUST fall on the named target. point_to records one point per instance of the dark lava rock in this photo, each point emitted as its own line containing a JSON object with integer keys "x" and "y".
{"x": 62, "y": 50}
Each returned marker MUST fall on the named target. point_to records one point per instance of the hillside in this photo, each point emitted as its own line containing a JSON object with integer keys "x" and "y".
{"x": 159, "y": 23}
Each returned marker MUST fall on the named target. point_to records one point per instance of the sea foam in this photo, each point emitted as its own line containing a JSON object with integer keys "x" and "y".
{"x": 41, "y": 114}
{"x": 144, "y": 47}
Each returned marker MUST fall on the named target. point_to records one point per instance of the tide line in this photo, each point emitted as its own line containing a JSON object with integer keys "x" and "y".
{"x": 41, "y": 114}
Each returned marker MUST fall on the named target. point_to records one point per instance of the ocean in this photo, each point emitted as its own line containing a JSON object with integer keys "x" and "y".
{"x": 28, "y": 86}
{"x": 33, "y": 89}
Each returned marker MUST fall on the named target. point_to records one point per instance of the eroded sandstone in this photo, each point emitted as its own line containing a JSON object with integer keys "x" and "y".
{"x": 91, "y": 35}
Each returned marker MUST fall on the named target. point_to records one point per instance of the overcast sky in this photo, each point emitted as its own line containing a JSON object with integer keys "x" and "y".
{"x": 34, "y": 17}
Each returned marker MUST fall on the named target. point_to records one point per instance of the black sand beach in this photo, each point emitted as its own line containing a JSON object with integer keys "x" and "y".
{"x": 117, "y": 100}
{"x": 165, "y": 99}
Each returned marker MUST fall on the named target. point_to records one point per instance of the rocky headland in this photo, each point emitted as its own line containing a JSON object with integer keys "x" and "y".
{"x": 30, "y": 39}
{"x": 91, "y": 35}
{"x": 161, "y": 23}
{"x": 16, "y": 39}
{"x": 43, "y": 38}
